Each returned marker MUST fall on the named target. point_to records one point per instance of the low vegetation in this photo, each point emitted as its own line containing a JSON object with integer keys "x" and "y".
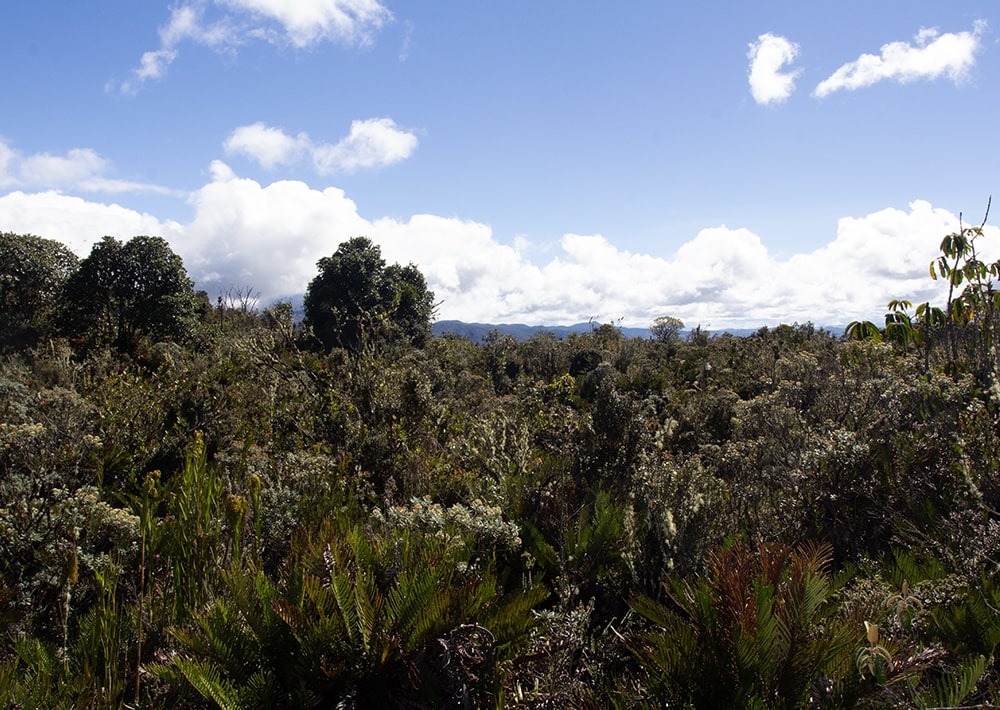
{"x": 206, "y": 505}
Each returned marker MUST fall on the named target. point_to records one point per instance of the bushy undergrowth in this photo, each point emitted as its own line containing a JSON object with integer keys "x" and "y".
{"x": 240, "y": 519}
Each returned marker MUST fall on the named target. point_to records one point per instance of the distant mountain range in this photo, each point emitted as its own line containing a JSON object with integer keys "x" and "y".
{"x": 475, "y": 332}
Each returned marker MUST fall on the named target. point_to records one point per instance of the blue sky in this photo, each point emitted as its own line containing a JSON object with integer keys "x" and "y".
{"x": 728, "y": 163}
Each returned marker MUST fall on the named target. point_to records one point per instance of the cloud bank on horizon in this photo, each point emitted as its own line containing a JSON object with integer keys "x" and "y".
{"x": 268, "y": 238}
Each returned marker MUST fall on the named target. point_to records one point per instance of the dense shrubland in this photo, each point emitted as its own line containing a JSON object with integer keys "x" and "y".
{"x": 205, "y": 505}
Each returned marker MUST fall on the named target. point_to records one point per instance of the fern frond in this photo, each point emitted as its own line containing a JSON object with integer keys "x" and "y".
{"x": 261, "y": 688}
{"x": 368, "y": 604}
{"x": 226, "y": 638}
{"x": 427, "y": 618}
{"x": 252, "y": 593}
{"x": 415, "y": 604}
{"x": 544, "y": 553}
{"x": 207, "y": 680}
{"x": 341, "y": 589}
{"x": 955, "y": 687}
{"x": 511, "y": 620}
{"x": 35, "y": 678}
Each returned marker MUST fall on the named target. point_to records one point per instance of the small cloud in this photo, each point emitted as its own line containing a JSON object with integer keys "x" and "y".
{"x": 267, "y": 146}
{"x": 306, "y": 22}
{"x": 768, "y": 55}
{"x": 111, "y": 186}
{"x": 930, "y": 56}
{"x": 153, "y": 65}
{"x": 77, "y": 165}
{"x": 371, "y": 143}
{"x": 186, "y": 23}
{"x": 80, "y": 169}
{"x": 302, "y": 23}
{"x": 404, "y": 50}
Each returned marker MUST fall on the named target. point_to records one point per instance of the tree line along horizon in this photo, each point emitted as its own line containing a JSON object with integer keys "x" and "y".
{"x": 210, "y": 505}
{"x": 144, "y": 282}
{"x": 121, "y": 292}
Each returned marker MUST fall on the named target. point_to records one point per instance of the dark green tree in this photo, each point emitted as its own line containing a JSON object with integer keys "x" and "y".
{"x": 413, "y": 303}
{"x": 355, "y": 299}
{"x": 32, "y": 273}
{"x": 123, "y": 291}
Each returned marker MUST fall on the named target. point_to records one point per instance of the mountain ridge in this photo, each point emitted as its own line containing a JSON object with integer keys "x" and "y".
{"x": 476, "y": 332}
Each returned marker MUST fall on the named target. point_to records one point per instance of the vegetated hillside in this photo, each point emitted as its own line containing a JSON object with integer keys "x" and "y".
{"x": 214, "y": 507}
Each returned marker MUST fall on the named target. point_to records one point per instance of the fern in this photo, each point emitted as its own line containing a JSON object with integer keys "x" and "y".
{"x": 973, "y": 625}
{"x": 206, "y": 679}
{"x": 36, "y": 678}
{"x": 545, "y": 554}
{"x": 754, "y": 628}
{"x": 953, "y": 688}
{"x": 362, "y": 616}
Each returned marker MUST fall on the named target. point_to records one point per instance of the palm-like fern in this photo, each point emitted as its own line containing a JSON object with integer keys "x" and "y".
{"x": 971, "y": 629}
{"x": 953, "y": 688}
{"x": 751, "y": 632}
{"x": 360, "y": 617}
{"x": 36, "y": 678}
{"x": 588, "y": 550}
{"x": 973, "y": 624}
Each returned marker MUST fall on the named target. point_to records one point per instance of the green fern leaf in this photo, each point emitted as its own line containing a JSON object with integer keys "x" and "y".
{"x": 952, "y": 689}
{"x": 207, "y": 680}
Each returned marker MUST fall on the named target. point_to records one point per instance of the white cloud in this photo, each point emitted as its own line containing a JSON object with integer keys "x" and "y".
{"x": 372, "y": 143}
{"x": 221, "y": 172}
{"x": 7, "y": 157}
{"x": 186, "y": 23}
{"x": 269, "y": 237}
{"x": 77, "y": 165}
{"x": 306, "y": 22}
{"x": 76, "y": 222}
{"x": 267, "y": 146}
{"x": 404, "y": 50}
{"x": 768, "y": 56}
{"x": 464, "y": 265}
{"x": 241, "y": 230}
{"x": 301, "y": 23}
{"x": 153, "y": 65}
{"x": 80, "y": 169}
{"x": 930, "y": 56}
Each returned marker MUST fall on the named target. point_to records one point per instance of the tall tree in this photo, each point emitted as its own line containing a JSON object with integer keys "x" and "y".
{"x": 33, "y": 271}
{"x": 413, "y": 303}
{"x": 355, "y": 298}
{"x": 123, "y": 291}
